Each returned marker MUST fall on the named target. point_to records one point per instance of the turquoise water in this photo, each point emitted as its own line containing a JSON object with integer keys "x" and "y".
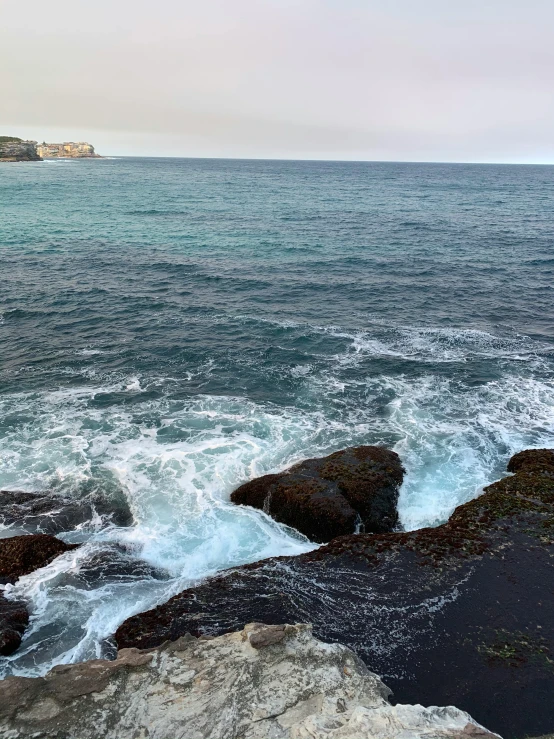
{"x": 170, "y": 328}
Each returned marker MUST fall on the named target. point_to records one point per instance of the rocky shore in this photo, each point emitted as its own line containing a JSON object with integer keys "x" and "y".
{"x": 20, "y": 555}
{"x": 13, "y": 149}
{"x": 461, "y": 614}
{"x": 261, "y": 682}
{"x": 29, "y": 521}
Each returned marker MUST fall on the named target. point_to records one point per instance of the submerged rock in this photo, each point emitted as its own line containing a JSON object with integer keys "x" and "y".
{"x": 354, "y": 489}
{"x": 261, "y": 682}
{"x": 475, "y": 595}
{"x": 27, "y": 522}
{"x": 36, "y": 513}
{"x": 19, "y": 556}
{"x": 13, "y": 622}
{"x": 112, "y": 562}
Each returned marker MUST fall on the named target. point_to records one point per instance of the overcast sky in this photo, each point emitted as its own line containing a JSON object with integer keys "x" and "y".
{"x": 431, "y": 80}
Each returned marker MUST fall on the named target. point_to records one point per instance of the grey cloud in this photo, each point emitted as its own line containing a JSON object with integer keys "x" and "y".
{"x": 269, "y": 78}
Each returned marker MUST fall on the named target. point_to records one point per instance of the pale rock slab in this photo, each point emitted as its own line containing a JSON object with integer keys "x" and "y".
{"x": 264, "y": 682}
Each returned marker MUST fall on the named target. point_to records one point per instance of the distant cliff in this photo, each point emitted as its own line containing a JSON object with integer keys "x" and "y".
{"x": 69, "y": 149}
{"x": 13, "y": 149}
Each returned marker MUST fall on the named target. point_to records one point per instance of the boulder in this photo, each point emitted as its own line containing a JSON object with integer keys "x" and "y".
{"x": 20, "y": 555}
{"x": 355, "y": 489}
{"x": 533, "y": 460}
{"x": 458, "y": 614}
{"x": 262, "y": 682}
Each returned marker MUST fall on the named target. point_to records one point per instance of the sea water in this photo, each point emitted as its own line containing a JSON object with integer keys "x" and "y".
{"x": 170, "y": 328}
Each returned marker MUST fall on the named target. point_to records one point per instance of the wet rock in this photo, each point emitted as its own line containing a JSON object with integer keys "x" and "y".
{"x": 20, "y": 555}
{"x": 36, "y": 513}
{"x": 540, "y": 461}
{"x": 356, "y": 488}
{"x": 293, "y": 687}
{"x": 111, "y": 562}
{"x": 95, "y": 568}
{"x": 459, "y": 614}
{"x": 13, "y": 622}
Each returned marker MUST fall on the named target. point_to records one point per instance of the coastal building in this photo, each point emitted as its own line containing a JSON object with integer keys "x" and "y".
{"x": 69, "y": 149}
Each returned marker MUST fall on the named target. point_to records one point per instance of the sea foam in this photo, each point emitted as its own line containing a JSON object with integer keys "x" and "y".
{"x": 178, "y": 460}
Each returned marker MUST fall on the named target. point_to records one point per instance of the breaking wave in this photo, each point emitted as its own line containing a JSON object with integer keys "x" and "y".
{"x": 177, "y": 460}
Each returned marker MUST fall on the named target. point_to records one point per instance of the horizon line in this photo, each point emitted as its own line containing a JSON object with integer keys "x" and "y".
{"x": 331, "y": 161}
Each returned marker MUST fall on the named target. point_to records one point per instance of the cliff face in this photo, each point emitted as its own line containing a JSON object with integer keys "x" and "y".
{"x": 69, "y": 149}
{"x": 260, "y": 682}
{"x": 15, "y": 150}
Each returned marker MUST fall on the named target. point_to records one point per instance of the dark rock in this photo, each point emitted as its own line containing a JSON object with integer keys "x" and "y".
{"x": 111, "y": 562}
{"x": 20, "y": 555}
{"x": 51, "y": 514}
{"x": 475, "y": 595}
{"x": 354, "y": 489}
{"x": 13, "y": 621}
{"x": 533, "y": 460}
{"x": 99, "y": 565}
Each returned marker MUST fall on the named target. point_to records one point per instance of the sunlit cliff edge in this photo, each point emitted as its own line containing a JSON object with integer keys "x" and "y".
{"x": 69, "y": 149}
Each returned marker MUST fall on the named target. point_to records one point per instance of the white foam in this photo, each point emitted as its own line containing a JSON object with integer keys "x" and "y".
{"x": 177, "y": 475}
{"x": 453, "y": 438}
{"x": 178, "y": 468}
{"x": 420, "y": 343}
{"x": 89, "y": 352}
{"x": 134, "y": 384}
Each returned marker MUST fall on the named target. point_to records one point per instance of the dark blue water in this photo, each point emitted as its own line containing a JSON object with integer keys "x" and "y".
{"x": 170, "y": 328}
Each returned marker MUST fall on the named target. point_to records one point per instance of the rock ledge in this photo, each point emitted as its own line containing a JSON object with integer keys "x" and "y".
{"x": 264, "y": 682}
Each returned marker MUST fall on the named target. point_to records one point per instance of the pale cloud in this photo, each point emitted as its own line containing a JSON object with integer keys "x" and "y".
{"x": 311, "y": 78}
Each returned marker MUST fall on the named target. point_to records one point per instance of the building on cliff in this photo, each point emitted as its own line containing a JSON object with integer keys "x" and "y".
{"x": 13, "y": 149}
{"x": 69, "y": 149}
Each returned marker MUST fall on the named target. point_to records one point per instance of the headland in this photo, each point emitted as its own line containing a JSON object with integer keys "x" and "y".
{"x": 14, "y": 149}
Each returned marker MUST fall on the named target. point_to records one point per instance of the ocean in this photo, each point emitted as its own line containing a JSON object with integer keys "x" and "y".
{"x": 170, "y": 328}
